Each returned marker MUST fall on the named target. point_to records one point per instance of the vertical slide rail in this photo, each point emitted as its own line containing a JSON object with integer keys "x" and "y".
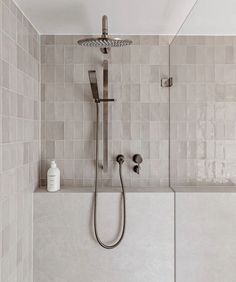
{"x": 105, "y": 117}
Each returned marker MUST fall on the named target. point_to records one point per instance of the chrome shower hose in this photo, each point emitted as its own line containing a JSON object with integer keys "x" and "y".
{"x": 96, "y": 192}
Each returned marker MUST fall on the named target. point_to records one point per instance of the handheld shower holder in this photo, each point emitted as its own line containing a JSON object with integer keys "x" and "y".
{"x": 104, "y": 100}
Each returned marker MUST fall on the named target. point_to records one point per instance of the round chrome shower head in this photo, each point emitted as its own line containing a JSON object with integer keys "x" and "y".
{"x": 104, "y": 42}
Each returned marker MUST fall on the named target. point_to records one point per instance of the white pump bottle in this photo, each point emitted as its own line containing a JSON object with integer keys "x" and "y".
{"x": 53, "y": 178}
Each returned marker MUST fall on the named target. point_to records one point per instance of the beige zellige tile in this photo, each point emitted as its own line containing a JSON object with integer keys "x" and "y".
{"x": 50, "y": 149}
{"x": 78, "y": 129}
{"x": 78, "y": 54}
{"x": 68, "y": 149}
{"x": 69, "y": 130}
{"x": 55, "y": 130}
{"x": 68, "y": 54}
{"x": 78, "y": 73}
{"x": 79, "y": 92}
{"x": 50, "y": 54}
{"x": 59, "y": 54}
{"x": 63, "y": 39}
{"x": 69, "y": 73}
{"x": 59, "y": 149}
{"x": 133, "y": 78}
{"x": 79, "y": 150}
{"x": 59, "y": 73}
{"x": 149, "y": 40}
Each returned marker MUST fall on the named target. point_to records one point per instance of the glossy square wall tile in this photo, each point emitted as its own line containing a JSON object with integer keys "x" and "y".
{"x": 202, "y": 110}
{"x": 139, "y": 117}
{"x": 19, "y": 140}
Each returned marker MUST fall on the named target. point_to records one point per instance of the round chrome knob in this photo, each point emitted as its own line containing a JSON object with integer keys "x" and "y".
{"x": 137, "y": 158}
{"x": 136, "y": 169}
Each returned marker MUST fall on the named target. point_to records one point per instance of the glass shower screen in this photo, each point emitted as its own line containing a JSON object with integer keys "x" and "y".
{"x": 203, "y": 97}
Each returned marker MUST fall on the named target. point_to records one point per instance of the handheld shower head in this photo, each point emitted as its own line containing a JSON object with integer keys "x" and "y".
{"x": 94, "y": 85}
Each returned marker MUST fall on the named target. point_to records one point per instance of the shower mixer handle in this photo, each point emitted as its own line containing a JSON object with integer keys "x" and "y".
{"x": 137, "y": 158}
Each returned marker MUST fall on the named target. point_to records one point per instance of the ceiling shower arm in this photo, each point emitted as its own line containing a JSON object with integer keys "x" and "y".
{"x": 105, "y": 26}
{"x": 105, "y": 50}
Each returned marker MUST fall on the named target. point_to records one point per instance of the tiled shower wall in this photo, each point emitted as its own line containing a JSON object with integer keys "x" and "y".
{"x": 139, "y": 116}
{"x": 19, "y": 140}
{"x": 203, "y": 110}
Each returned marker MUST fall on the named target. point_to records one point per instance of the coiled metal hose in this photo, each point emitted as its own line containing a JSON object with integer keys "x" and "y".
{"x": 96, "y": 192}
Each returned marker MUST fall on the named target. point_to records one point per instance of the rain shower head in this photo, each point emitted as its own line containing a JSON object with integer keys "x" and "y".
{"x": 104, "y": 42}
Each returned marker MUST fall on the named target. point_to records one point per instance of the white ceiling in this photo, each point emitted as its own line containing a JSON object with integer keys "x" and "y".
{"x": 125, "y": 16}
{"x": 131, "y": 16}
{"x": 217, "y": 17}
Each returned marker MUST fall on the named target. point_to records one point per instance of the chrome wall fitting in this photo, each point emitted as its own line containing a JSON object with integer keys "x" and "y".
{"x": 166, "y": 82}
{"x": 137, "y": 158}
{"x": 120, "y": 159}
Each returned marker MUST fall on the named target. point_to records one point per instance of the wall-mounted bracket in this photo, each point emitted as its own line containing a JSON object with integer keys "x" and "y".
{"x": 166, "y": 82}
